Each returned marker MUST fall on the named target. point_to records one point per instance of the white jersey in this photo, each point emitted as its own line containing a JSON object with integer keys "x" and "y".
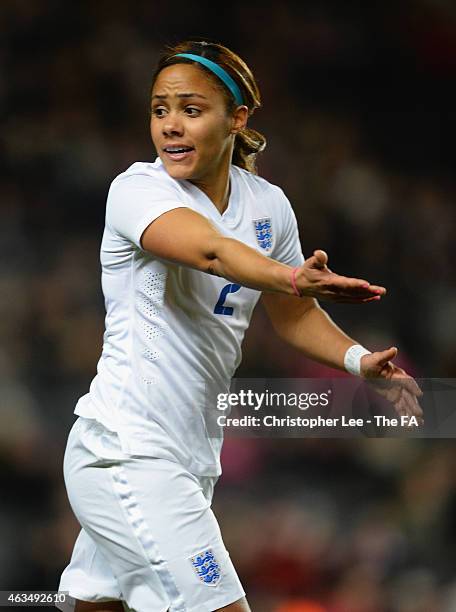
{"x": 173, "y": 334}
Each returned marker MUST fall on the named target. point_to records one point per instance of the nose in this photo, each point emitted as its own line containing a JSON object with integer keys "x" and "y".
{"x": 172, "y": 125}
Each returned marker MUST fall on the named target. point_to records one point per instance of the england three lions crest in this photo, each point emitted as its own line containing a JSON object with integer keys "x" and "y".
{"x": 263, "y": 231}
{"x": 206, "y": 567}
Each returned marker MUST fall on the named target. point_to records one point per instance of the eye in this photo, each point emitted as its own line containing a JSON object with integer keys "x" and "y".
{"x": 158, "y": 111}
{"x": 192, "y": 111}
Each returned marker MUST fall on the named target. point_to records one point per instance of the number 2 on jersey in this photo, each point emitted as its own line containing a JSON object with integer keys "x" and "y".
{"x": 220, "y": 308}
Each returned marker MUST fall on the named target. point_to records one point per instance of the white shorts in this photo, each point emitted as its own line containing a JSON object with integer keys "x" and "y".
{"x": 148, "y": 537}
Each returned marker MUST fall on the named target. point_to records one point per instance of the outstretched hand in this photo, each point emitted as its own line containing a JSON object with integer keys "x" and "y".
{"x": 392, "y": 383}
{"x": 315, "y": 279}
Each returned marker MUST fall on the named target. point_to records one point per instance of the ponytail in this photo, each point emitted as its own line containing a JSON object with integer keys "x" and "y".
{"x": 247, "y": 145}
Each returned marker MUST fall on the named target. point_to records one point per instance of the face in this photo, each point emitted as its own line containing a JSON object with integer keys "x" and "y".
{"x": 190, "y": 126}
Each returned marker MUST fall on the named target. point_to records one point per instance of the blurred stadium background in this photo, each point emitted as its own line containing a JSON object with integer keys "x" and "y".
{"x": 359, "y": 111}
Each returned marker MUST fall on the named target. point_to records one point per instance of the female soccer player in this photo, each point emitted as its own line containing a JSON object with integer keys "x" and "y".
{"x": 191, "y": 243}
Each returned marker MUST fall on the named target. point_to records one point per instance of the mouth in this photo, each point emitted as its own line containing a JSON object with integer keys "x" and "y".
{"x": 178, "y": 152}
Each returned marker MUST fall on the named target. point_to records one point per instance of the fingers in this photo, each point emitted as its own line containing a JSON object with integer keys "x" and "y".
{"x": 344, "y": 286}
{"x": 355, "y": 294}
{"x": 321, "y": 258}
{"x": 406, "y": 405}
{"x": 401, "y": 378}
{"x": 397, "y": 376}
{"x": 385, "y": 356}
{"x": 402, "y": 391}
{"x": 377, "y": 289}
{"x": 316, "y": 280}
{"x": 352, "y": 300}
{"x": 380, "y": 367}
{"x": 400, "y": 406}
{"x": 318, "y": 261}
{"x": 411, "y": 385}
{"x": 412, "y": 406}
{"x": 394, "y": 384}
{"x": 348, "y": 299}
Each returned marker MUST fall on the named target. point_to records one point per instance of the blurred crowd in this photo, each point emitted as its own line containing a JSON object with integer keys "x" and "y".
{"x": 359, "y": 116}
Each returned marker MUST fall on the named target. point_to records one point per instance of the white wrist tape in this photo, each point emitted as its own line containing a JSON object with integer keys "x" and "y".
{"x": 352, "y": 359}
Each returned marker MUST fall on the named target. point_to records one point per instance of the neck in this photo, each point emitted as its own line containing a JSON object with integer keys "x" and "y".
{"x": 216, "y": 187}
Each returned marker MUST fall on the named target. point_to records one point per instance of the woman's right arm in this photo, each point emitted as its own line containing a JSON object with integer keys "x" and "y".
{"x": 203, "y": 247}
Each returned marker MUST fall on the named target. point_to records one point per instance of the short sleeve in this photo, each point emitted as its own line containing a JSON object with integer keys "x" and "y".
{"x": 287, "y": 248}
{"x": 135, "y": 201}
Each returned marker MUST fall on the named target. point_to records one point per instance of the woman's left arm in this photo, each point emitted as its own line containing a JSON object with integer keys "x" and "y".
{"x": 303, "y": 324}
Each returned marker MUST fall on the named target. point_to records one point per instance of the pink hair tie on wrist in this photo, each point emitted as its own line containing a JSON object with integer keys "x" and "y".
{"x": 293, "y": 282}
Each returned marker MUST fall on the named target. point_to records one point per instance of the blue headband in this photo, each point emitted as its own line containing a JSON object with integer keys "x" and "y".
{"x": 218, "y": 71}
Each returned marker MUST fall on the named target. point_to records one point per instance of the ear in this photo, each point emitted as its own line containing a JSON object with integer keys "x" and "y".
{"x": 240, "y": 117}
